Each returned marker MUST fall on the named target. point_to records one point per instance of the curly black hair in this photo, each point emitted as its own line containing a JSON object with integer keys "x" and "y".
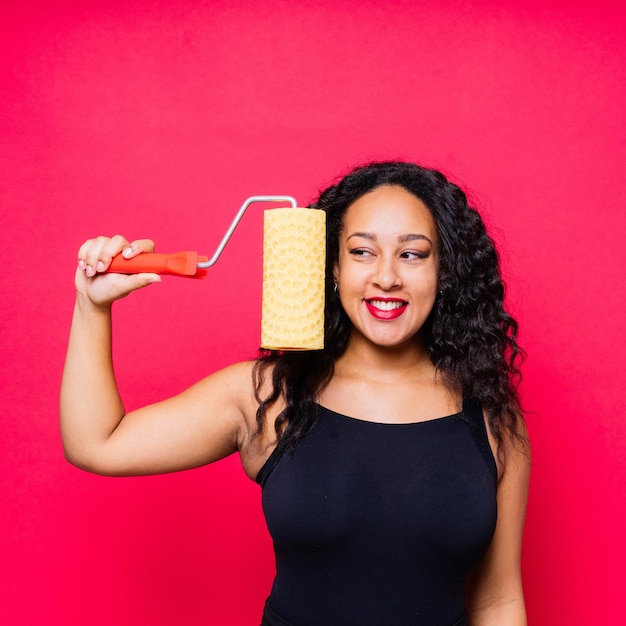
{"x": 471, "y": 339}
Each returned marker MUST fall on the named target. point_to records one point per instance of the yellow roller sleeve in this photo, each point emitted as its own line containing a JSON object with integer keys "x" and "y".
{"x": 294, "y": 257}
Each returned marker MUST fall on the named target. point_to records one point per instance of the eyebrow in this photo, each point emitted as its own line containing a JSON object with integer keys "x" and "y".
{"x": 401, "y": 238}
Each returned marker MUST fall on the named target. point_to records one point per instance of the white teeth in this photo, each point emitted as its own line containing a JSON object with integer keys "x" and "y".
{"x": 386, "y": 306}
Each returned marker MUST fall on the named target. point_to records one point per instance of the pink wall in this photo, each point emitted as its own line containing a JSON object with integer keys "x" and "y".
{"x": 157, "y": 119}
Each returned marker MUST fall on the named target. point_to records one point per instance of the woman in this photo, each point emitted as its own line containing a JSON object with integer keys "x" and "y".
{"x": 394, "y": 463}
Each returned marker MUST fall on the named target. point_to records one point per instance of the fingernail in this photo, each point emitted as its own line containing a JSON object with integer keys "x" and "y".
{"x": 89, "y": 270}
{"x": 127, "y": 252}
{"x": 81, "y": 264}
{"x": 100, "y": 266}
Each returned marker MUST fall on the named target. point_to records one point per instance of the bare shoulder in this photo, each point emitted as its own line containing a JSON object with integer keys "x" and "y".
{"x": 232, "y": 390}
{"x": 512, "y": 451}
{"x": 235, "y": 380}
{"x": 243, "y": 384}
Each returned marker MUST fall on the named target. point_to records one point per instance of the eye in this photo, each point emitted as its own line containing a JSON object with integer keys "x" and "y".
{"x": 415, "y": 255}
{"x": 361, "y": 252}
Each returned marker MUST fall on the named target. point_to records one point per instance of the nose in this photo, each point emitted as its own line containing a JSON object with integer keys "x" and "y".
{"x": 387, "y": 276}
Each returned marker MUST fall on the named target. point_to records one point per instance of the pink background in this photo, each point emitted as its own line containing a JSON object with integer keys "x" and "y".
{"x": 158, "y": 119}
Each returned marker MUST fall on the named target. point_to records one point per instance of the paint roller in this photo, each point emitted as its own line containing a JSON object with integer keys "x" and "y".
{"x": 294, "y": 256}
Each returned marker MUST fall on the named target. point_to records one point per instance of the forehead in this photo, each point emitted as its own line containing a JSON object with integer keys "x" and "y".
{"x": 390, "y": 210}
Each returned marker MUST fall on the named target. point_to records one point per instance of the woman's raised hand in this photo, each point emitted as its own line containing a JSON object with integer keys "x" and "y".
{"x": 99, "y": 288}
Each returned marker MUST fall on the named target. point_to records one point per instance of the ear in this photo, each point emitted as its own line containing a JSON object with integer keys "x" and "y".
{"x": 336, "y": 271}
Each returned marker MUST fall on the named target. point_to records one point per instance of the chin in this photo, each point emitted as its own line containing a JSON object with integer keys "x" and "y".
{"x": 393, "y": 342}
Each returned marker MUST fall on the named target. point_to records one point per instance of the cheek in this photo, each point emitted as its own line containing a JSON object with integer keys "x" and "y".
{"x": 429, "y": 289}
{"x": 430, "y": 279}
{"x": 434, "y": 282}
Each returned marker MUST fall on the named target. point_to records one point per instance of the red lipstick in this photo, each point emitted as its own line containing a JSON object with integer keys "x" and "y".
{"x": 386, "y": 308}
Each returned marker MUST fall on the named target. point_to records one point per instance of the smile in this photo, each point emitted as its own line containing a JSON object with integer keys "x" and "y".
{"x": 386, "y": 309}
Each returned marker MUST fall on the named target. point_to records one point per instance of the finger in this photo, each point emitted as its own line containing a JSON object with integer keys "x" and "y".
{"x": 111, "y": 248}
{"x": 82, "y": 253}
{"x": 144, "y": 279}
{"x": 95, "y": 254}
{"x": 133, "y": 282}
{"x": 92, "y": 253}
{"x": 137, "y": 247}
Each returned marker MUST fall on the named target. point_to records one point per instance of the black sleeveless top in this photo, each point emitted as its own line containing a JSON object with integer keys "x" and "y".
{"x": 379, "y": 524}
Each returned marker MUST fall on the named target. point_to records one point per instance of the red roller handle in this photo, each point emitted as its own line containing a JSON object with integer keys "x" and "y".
{"x": 175, "y": 264}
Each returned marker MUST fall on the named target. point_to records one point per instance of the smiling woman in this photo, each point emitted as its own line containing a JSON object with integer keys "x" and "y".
{"x": 393, "y": 463}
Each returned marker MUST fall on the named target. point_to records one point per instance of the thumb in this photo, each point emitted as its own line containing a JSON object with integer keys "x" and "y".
{"x": 125, "y": 284}
{"x": 144, "y": 279}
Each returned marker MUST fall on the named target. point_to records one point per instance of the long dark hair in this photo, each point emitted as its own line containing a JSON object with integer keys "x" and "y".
{"x": 471, "y": 339}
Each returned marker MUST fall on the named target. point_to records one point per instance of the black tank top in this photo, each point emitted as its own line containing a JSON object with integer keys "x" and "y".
{"x": 379, "y": 524}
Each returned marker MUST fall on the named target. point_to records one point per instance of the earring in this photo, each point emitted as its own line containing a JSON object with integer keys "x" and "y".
{"x": 336, "y": 287}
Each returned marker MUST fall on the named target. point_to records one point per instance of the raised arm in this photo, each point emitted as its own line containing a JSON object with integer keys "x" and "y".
{"x": 203, "y": 424}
